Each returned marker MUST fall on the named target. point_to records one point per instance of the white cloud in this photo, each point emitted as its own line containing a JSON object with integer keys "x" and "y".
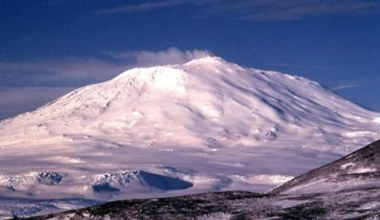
{"x": 151, "y": 6}
{"x": 255, "y": 10}
{"x": 150, "y": 58}
{"x": 302, "y": 66}
{"x": 147, "y": 6}
{"x": 346, "y": 86}
{"x": 354, "y": 84}
{"x": 289, "y": 10}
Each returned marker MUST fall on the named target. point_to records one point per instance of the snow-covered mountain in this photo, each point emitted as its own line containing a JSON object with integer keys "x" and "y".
{"x": 204, "y": 125}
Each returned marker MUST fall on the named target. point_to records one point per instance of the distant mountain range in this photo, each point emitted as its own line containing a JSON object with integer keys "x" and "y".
{"x": 206, "y": 125}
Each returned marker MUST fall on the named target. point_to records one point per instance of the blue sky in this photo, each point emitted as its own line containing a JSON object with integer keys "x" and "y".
{"x": 49, "y": 47}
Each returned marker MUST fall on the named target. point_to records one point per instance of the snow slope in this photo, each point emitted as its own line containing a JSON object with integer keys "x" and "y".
{"x": 201, "y": 126}
{"x": 359, "y": 170}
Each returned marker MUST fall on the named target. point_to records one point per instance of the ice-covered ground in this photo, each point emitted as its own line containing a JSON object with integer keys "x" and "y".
{"x": 202, "y": 126}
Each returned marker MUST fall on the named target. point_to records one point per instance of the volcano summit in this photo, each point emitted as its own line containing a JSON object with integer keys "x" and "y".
{"x": 205, "y": 125}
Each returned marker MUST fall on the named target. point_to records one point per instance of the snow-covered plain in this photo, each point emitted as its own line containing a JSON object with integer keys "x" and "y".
{"x": 205, "y": 125}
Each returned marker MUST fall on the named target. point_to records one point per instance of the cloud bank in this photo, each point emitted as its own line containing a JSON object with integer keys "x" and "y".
{"x": 15, "y": 100}
{"x": 24, "y": 86}
{"x": 63, "y": 72}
